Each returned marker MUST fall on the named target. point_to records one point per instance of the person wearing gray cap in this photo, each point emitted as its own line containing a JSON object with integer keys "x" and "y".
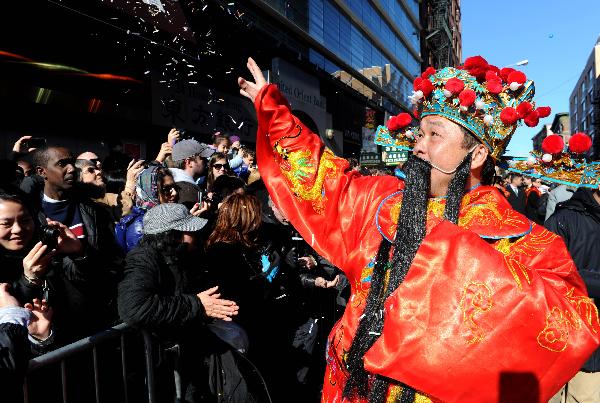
{"x": 157, "y": 292}
{"x": 190, "y": 159}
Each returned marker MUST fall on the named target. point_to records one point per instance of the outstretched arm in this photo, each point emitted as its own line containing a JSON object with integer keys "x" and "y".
{"x": 330, "y": 205}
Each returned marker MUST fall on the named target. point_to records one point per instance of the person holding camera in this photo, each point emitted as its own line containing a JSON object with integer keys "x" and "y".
{"x": 32, "y": 263}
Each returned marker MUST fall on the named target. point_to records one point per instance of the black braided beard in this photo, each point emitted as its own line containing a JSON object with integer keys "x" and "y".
{"x": 410, "y": 233}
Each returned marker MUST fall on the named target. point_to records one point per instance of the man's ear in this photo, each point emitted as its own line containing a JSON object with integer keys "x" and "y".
{"x": 480, "y": 154}
{"x": 41, "y": 172}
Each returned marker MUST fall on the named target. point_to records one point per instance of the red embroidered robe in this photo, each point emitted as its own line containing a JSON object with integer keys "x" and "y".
{"x": 491, "y": 307}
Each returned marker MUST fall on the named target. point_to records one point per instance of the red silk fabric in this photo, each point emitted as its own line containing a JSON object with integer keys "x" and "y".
{"x": 493, "y": 299}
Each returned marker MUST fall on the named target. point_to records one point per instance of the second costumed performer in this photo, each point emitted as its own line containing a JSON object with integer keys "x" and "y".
{"x": 455, "y": 296}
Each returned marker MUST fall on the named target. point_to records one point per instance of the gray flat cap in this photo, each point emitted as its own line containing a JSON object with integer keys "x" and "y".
{"x": 188, "y": 148}
{"x": 171, "y": 216}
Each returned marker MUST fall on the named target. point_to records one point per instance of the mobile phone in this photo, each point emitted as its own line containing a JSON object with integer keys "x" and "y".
{"x": 35, "y": 142}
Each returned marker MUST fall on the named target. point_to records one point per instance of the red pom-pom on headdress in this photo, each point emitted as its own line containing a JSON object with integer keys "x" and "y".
{"x": 580, "y": 143}
{"x": 505, "y": 72}
{"x": 429, "y": 71}
{"x": 476, "y": 66}
{"x": 399, "y": 121}
{"x": 524, "y": 109}
{"x": 467, "y": 97}
{"x": 508, "y": 116}
{"x": 494, "y": 86}
{"x": 417, "y": 83}
{"x": 455, "y": 85}
{"x": 517, "y": 77}
{"x": 491, "y": 75}
{"x": 494, "y": 69}
{"x": 544, "y": 111}
{"x": 553, "y": 144}
{"x": 532, "y": 119}
{"x": 426, "y": 87}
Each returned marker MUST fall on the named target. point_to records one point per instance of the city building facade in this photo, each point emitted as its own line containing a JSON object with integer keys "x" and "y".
{"x": 584, "y": 102}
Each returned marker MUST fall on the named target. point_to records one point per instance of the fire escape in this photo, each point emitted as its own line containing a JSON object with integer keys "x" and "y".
{"x": 439, "y": 35}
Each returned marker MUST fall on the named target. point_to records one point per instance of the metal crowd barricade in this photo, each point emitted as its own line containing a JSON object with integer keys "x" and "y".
{"x": 81, "y": 347}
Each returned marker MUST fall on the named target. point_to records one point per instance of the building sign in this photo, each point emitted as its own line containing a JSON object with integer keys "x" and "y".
{"x": 370, "y": 158}
{"x": 202, "y": 110}
{"x": 393, "y": 156}
{"x": 296, "y": 85}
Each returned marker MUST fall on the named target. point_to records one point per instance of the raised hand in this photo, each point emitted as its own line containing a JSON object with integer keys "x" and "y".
{"x": 37, "y": 260}
{"x": 68, "y": 243}
{"x": 41, "y": 319}
{"x": 215, "y": 307}
{"x": 133, "y": 171}
{"x": 173, "y": 136}
{"x": 321, "y": 282}
{"x": 251, "y": 89}
{"x": 165, "y": 150}
{"x": 20, "y": 145}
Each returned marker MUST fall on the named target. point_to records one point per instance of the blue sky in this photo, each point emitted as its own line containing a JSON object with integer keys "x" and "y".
{"x": 556, "y": 36}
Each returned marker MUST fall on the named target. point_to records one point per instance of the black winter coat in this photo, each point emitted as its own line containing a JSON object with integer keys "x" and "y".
{"x": 577, "y": 221}
{"x": 156, "y": 295}
{"x": 14, "y": 356}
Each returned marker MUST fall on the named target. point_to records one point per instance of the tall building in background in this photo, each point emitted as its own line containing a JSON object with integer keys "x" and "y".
{"x": 584, "y": 102}
{"x": 372, "y": 46}
{"x": 441, "y": 43}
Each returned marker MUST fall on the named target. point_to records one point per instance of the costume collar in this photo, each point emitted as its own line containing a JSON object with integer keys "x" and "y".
{"x": 484, "y": 211}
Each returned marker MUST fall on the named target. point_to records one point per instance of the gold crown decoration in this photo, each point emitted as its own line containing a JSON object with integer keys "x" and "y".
{"x": 487, "y": 101}
{"x": 558, "y": 164}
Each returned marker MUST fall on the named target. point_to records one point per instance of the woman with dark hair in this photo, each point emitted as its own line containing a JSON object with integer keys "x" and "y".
{"x": 232, "y": 256}
{"x": 155, "y": 185}
{"x": 217, "y": 166}
{"x": 33, "y": 262}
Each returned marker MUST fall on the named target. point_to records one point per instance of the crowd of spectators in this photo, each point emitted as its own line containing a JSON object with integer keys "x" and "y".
{"x": 188, "y": 246}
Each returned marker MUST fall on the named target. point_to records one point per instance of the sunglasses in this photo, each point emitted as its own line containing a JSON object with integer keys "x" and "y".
{"x": 219, "y": 166}
{"x": 166, "y": 189}
{"x": 91, "y": 170}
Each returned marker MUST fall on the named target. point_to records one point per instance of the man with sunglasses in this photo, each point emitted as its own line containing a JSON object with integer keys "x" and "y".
{"x": 190, "y": 159}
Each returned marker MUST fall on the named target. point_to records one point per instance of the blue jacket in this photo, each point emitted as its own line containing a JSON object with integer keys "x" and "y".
{"x": 130, "y": 229}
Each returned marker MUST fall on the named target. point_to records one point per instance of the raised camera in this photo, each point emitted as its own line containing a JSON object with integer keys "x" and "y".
{"x": 49, "y": 236}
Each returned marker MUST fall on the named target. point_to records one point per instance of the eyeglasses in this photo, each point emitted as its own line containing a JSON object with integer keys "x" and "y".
{"x": 166, "y": 189}
{"x": 218, "y": 167}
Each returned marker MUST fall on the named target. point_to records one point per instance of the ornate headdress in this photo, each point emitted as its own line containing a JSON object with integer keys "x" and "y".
{"x": 567, "y": 166}
{"x": 487, "y": 101}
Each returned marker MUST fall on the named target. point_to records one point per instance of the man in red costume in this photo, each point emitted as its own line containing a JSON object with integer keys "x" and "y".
{"x": 455, "y": 296}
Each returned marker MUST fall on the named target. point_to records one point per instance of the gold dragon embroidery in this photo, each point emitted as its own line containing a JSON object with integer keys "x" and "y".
{"x": 476, "y": 299}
